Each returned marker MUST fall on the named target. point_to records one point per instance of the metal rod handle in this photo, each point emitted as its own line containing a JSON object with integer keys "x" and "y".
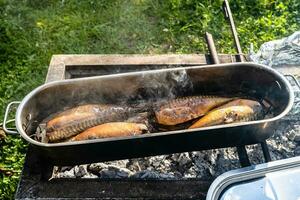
{"x": 294, "y": 79}
{"x": 212, "y": 48}
{"x": 228, "y": 15}
{"x": 6, "y": 121}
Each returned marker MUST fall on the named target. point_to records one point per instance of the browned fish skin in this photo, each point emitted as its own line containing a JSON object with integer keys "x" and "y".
{"x": 113, "y": 129}
{"x": 181, "y": 110}
{"x": 78, "y": 119}
{"x": 79, "y": 112}
{"x": 235, "y": 111}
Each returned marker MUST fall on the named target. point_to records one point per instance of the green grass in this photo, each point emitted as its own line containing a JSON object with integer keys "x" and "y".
{"x": 31, "y": 31}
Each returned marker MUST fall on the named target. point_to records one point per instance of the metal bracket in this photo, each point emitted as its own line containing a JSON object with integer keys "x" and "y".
{"x": 266, "y": 152}
{"x": 243, "y": 156}
{"x": 7, "y": 130}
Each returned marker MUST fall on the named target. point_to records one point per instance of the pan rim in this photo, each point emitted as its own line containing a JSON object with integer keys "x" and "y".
{"x": 254, "y": 65}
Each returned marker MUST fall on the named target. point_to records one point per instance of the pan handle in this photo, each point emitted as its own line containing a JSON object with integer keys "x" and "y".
{"x": 297, "y": 99}
{"x": 294, "y": 79}
{"x": 6, "y": 121}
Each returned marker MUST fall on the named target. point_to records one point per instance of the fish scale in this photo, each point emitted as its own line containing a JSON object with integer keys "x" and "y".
{"x": 76, "y": 120}
{"x": 112, "y": 129}
{"x": 184, "y": 109}
{"x": 239, "y": 110}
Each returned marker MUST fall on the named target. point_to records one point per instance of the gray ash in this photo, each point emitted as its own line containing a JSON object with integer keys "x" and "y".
{"x": 285, "y": 143}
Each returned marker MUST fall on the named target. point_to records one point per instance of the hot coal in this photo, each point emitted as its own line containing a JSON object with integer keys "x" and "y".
{"x": 199, "y": 164}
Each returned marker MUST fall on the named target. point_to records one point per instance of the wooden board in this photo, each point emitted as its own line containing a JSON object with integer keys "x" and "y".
{"x": 71, "y": 66}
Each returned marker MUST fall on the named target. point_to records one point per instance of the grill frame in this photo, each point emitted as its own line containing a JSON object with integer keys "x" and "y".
{"x": 37, "y": 170}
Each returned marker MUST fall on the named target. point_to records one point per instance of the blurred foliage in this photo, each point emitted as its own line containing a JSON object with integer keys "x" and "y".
{"x": 257, "y": 21}
{"x": 12, "y": 159}
{"x": 31, "y": 31}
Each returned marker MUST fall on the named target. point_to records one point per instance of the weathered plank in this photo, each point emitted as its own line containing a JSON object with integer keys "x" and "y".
{"x": 62, "y": 66}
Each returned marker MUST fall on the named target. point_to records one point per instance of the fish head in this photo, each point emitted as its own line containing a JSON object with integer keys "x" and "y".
{"x": 255, "y": 106}
{"x": 245, "y": 111}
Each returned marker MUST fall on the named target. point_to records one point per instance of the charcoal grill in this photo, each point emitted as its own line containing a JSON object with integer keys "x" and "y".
{"x": 35, "y": 183}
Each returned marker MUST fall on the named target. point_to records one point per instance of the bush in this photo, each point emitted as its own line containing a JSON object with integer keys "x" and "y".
{"x": 257, "y": 21}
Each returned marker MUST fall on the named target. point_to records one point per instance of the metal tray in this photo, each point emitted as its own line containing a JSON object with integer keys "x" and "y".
{"x": 249, "y": 79}
{"x": 274, "y": 180}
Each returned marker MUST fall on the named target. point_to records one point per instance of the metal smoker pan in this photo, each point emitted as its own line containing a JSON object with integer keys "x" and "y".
{"x": 249, "y": 79}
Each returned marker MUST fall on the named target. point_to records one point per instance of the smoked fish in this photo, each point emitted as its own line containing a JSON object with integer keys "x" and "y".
{"x": 235, "y": 111}
{"x": 113, "y": 129}
{"x": 78, "y": 119}
{"x": 183, "y": 109}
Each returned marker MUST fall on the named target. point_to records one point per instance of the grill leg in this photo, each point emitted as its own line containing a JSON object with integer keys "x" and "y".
{"x": 265, "y": 151}
{"x": 243, "y": 156}
{"x": 46, "y": 170}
